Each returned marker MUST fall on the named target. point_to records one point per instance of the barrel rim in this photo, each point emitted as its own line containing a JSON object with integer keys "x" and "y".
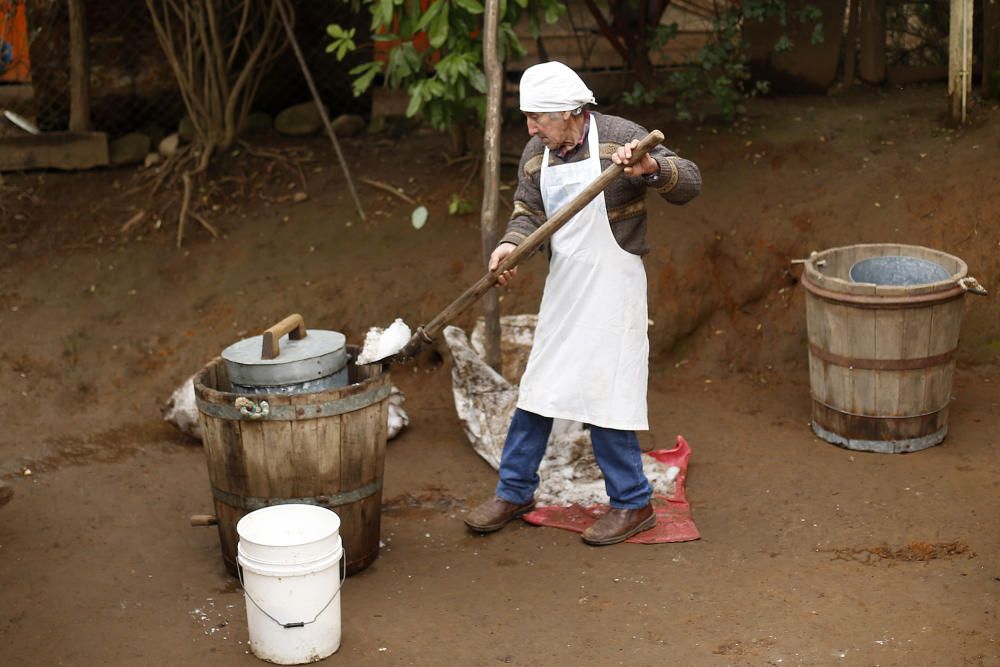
{"x": 847, "y": 288}
{"x": 209, "y": 394}
{"x": 949, "y": 292}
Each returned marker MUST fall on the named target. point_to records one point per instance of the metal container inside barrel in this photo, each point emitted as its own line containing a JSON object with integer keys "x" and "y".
{"x": 287, "y": 359}
{"x": 883, "y": 323}
{"x": 323, "y": 448}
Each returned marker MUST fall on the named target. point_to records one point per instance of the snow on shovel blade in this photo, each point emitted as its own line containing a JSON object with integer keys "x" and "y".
{"x": 383, "y": 343}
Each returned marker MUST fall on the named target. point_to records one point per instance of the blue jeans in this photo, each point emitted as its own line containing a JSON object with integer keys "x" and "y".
{"x": 617, "y": 453}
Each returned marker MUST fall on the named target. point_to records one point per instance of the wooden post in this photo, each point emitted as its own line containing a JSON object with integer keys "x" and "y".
{"x": 991, "y": 42}
{"x": 491, "y": 175}
{"x": 960, "y": 58}
{"x": 872, "y": 68}
{"x": 851, "y": 42}
{"x": 79, "y": 69}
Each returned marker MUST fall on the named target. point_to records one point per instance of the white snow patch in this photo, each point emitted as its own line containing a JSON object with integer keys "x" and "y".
{"x": 181, "y": 409}
{"x": 397, "y": 415}
{"x": 381, "y": 343}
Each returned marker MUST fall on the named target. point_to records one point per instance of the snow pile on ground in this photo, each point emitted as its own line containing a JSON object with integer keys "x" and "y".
{"x": 485, "y": 402}
{"x": 398, "y": 419}
{"x": 181, "y": 409}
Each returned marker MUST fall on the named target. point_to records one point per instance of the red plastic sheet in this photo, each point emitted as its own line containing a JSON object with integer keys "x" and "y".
{"x": 673, "y": 513}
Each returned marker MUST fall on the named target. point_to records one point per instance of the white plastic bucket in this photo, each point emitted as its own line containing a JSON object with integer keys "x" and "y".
{"x": 289, "y": 556}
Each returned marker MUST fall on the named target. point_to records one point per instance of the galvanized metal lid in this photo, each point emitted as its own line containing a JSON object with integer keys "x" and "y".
{"x": 317, "y": 354}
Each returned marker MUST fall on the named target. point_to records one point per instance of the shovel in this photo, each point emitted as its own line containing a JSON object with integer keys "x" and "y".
{"x": 426, "y": 333}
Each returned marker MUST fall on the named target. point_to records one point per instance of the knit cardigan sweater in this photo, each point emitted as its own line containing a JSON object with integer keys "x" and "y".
{"x": 678, "y": 182}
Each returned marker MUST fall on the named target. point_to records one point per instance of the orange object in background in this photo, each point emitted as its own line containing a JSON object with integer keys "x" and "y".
{"x": 420, "y": 40}
{"x": 15, "y": 65}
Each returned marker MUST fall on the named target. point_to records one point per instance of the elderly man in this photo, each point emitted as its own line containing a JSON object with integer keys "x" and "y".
{"x": 589, "y": 361}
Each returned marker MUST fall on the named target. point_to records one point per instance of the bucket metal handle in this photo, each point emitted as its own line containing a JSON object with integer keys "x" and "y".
{"x": 971, "y": 285}
{"x": 300, "y": 624}
{"x": 252, "y": 410}
{"x": 293, "y": 325}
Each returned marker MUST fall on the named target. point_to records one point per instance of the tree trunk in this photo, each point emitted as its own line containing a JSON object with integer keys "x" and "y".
{"x": 960, "y": 58}
{"x": 628, "y": 31}
{"x": 491, "y": 175}
{"x": 851, "y": 45}
{"x": 991, "y": 42}
{"x": 79, "y": 69}
{"x": 633, "y": 22}
{"x": 873, "y": 41}
{"x": 459, "y": 138}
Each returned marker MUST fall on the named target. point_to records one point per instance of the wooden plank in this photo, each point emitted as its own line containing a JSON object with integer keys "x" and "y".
{"x": 212, "y": 446}
{"x": 356, "y": 449}
{"x": 916, "y": 344}
{"x": 54, "y": 150}
{"x": 281, "y": 468}
{"x": 819, "y": 335}
{"x": 277, "y": 450}
{"x": 79, "y": 69}
{"x": 888, "y": 345}
{"x": 328, "y": 454}
{"x": 945, "y": 323}
{"x": 370, "y": 470}
{"x": 304, "y": 454}
{"x": 873, "y": 33}
{"x": 381, "y": 436}
{"x": 860, "y": 333}
{"x": 255, "y": 452}
{"x": 228, "y": 517}
{"x": 16, "y": 95}
{"x": 838, "y": 379}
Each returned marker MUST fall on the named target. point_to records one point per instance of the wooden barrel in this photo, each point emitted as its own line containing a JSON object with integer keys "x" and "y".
{"x": 881, "y": 357}
{"x": 323, "y": 448}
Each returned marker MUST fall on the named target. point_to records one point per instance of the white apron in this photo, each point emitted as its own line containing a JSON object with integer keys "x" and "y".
{"x": 590, "y": 357}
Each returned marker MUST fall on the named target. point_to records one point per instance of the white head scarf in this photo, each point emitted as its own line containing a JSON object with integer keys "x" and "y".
{"x": 553, "y": 86}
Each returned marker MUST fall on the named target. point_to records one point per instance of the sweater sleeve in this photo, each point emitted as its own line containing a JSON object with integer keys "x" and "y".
{"x": 679, "y": 180}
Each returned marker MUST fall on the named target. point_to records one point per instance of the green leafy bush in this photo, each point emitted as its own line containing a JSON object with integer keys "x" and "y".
{"x": 436, "y": 54}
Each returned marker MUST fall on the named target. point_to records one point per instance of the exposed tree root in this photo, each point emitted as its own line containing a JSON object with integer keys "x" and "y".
{"x": 195, "y": 184}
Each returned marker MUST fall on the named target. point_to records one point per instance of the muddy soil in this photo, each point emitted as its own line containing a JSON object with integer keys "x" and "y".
{"x": 810, "y": 554}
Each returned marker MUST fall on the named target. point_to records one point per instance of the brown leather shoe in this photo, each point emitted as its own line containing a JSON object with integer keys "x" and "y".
{"x": 495, "y": 513}
{"x": 619, "y": 525}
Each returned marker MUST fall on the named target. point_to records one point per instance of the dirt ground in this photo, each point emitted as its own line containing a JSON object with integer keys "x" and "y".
{"x": 810, "y": 554}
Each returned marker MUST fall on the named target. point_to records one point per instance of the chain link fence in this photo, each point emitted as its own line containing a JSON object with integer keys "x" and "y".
{"x": 917, "y": 33}
{"x": 131, "y": 85}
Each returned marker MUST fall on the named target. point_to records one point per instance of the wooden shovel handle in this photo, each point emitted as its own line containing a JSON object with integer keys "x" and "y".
{"x": 293, "y": 325}
{"x": 534, "y": 240}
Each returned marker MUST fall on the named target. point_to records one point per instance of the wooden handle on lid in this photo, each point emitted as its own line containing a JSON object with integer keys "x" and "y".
{"x": 293, "y": 325}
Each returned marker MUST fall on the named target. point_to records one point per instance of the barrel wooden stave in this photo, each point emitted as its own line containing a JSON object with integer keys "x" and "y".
{"x": 303, "y": 459}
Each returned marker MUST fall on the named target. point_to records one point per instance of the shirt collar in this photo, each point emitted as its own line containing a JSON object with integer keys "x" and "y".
{"x": 566, "y": 153}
